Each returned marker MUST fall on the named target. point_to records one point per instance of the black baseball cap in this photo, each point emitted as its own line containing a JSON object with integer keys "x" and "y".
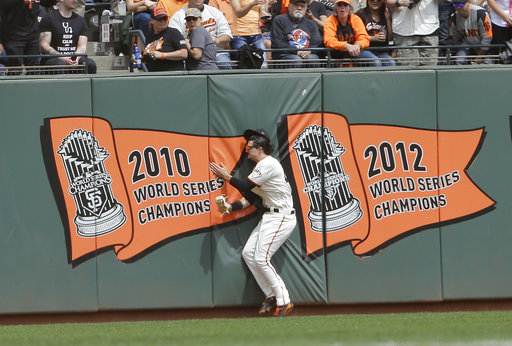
{"x": 257, "y": 132}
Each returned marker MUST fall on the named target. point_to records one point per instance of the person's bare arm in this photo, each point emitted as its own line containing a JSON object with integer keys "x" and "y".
{"x": 242, "y": 11}
{"x": 496, "y": 8}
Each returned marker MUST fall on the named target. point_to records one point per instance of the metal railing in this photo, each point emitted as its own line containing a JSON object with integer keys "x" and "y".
{"x": 329, "y": 58}
{"x": 15, "y": 68}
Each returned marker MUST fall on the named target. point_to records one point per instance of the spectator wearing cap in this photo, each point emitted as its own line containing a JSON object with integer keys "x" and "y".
{"x": 501, "y": 20}
{"x": 294, "y": 30}
{"x": 200, "y": 46}
{"x": 167, "y": 49}
{"x": 415, "y": 23}
{"x": 470, "y": 25}
{"x": 141, "y": 10}
{"x": 377, "y": 20}
{"x": 345, "y": 32}
{"x": 215, "y": 24}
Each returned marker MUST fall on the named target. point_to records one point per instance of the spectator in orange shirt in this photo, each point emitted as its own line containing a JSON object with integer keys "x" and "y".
{"x": 346, "y": 33}
{"x": 225, "y": 7}
{"x": 172, "y": 6}
{"x": 246, "y": 24}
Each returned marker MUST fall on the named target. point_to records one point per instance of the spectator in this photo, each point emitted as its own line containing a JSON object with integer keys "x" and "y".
{"x": 214, "y": 22}
{"x": 172, "y": 6}
{"x": 167, "y": 49}
{"x": 445, "y": 10}
{"x": 246, "y": 24}
{"x": 141, "y": 13}
{"x": 65, "y": 32}
{"x": 346, "y": 33}
{"x": 376, "y": 18}
{"x": 3, "y": 61}
{"x": 318, "y": 13}
{"x": 200, "y": 46}
{"x": 415, "y": 23}
{"x": 501, "y": 20}
{"x": 19, "y": 30}
{"x": 295, "y": 30}
{"x": 266, "y": 25}
{"x": 470, "y": 25}
{"x": 481, "y": 3}
{"x": 225, "y": 7}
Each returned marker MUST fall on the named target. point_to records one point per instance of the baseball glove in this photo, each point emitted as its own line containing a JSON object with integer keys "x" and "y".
{"x": 223, "y": 206}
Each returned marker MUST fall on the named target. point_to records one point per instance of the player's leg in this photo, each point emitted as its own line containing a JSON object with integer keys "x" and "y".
{"x": 274, "y": 231}
{"x": 248, "y": 254}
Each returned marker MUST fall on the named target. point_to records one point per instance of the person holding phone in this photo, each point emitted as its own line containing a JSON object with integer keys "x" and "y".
{"x": 65, "y": 32}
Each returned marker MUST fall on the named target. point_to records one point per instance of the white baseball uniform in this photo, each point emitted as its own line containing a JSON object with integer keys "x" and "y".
{"x": 273, "y": 229}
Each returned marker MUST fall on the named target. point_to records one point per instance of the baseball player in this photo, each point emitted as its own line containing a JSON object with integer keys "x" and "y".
{"x": 268, "y": 182}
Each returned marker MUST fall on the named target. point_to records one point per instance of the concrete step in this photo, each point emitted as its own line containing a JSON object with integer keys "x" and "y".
{"x": 105, "y": 59}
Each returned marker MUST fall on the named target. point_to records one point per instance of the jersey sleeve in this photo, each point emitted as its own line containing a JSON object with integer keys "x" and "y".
{"x": 178, "y": 22}
{"x": 261, "y": 173}
{"x": 222, "y": 24}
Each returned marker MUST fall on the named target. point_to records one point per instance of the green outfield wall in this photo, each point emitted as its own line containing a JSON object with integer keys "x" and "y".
{"x": 448, "y": 128}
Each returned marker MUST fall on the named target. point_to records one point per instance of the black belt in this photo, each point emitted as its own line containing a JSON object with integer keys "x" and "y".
{"x": 282, "y": 211}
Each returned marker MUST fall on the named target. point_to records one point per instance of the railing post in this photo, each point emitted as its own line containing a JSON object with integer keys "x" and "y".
{"x": 86, "y": 67}
{"x": 448, "y": 56}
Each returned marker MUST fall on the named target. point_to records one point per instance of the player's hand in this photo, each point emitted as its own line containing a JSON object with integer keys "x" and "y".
{"x": 222, "y": 206}
{"x": 220, "y": 171}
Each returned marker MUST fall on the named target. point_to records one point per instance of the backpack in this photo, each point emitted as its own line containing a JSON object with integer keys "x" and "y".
{"x": 506, "y": 55}
{"x": 251, "y": 57}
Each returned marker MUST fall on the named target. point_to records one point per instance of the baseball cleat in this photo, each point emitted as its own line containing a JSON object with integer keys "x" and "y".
{"x": 284, "y": 310}
{"x": 267, "y": 305}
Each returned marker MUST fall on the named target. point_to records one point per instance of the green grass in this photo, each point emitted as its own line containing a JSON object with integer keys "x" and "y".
{"x": 477, "y": 328}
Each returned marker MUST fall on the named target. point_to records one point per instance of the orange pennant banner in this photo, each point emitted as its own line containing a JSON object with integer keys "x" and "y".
{"x": 134, "y": 189}
{"x": 368, "y": 185}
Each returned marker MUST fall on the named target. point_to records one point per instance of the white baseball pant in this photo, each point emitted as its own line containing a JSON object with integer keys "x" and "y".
{"x": 268, "y": 236}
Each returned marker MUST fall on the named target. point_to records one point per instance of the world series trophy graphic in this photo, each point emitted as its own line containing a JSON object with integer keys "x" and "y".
{"x": 314, "y": 149}
{"x": 98, "y": 212}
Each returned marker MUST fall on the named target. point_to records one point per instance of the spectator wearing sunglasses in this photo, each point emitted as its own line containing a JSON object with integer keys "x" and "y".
{"x": 166, "y": 50}
{"x": 415, "y": 23}
{"x": 470, "y": 25}
{"x": 200, "y": 46}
